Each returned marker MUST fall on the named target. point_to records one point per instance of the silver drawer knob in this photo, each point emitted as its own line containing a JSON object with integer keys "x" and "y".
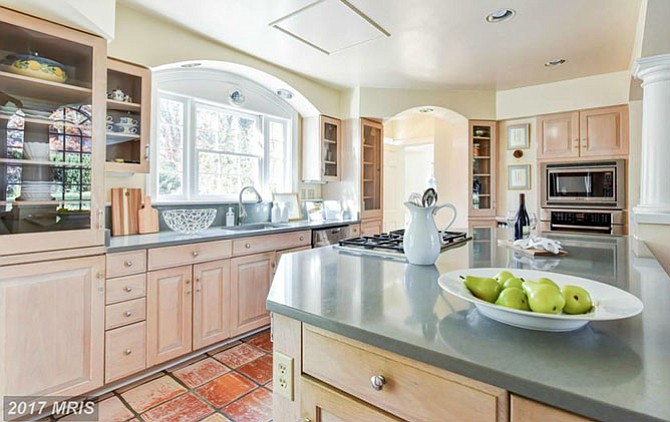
{"x": 195, "y": 254}
{"x": 377, "y": 382}
{"x": 129, "y": 264}
{"x": 301, "y": 238}
{"x": 247, "y": 245}
{"x": 128, "y": 314}
{"x": 304, "y": 420}
{"x": 127, "y": 352}
{"x": 128, "y": 289}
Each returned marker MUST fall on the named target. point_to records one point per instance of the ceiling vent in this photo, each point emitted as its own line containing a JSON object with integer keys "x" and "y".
{"x": 330, "y": 26}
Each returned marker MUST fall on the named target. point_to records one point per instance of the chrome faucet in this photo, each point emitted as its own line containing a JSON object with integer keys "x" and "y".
{"x": 243, "y": 212}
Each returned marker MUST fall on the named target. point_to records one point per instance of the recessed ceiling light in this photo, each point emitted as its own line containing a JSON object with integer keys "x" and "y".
{"x": 425, "y": 109}
{"x": 236, "y": 97}
{"x": 285, "y": 94}
{"x": 555, "y": 62}
{"x": 500, "y": 15}
{"x": 191, "y": 64}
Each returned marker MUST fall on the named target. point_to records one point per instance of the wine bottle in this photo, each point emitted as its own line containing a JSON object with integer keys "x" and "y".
{"x": 522, "y": 223}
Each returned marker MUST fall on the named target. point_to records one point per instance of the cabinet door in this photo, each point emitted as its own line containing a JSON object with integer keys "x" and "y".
{"x": 251, "y": 277}
{"x": 558, "y": 135}
{"x": 331, "y": 137}
{"x": 371, "y": 227}
{"x": 604, "y": 132}
{"x": 211, "y": 303}
{"x": 324, "y": 404}
{"x": 372, "y": 168}
{"x": 169, "y": 308}
{"x": 52, "y": 327}
{"x": 525, "y": 410}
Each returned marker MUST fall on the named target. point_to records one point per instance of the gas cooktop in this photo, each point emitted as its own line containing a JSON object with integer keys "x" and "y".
{"x": 391, "y": 243}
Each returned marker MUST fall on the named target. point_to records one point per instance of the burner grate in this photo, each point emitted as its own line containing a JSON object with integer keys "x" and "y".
{"x": 393, "y": 240}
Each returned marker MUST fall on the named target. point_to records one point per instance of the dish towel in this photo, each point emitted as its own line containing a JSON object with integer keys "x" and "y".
{"x": 536, "y": 242}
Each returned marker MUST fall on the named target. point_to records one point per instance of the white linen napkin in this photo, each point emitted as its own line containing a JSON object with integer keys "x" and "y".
{"x": 536, "y": 242}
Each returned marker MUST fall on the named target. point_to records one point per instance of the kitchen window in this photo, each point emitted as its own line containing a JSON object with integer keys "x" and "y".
{"x": 208, "y": 151}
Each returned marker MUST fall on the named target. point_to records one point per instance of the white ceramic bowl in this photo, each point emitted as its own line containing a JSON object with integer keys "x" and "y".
{"x": 609, "y": 302}
{"x": 189, "y": 221}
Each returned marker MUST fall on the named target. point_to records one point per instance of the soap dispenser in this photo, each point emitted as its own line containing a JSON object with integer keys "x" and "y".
{"x": 230, "y": 217}
{"x": 275, "y": 214}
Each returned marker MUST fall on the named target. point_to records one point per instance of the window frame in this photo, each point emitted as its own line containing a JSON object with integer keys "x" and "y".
{"x": 190, "y": 172}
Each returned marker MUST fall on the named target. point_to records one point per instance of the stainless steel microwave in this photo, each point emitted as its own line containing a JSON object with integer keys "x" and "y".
{"x": 596, "y": 184}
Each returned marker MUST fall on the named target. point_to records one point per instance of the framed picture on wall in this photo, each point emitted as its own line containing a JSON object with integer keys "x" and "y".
{"x": 518, "y": 177}
{"x": 517, "y": 137}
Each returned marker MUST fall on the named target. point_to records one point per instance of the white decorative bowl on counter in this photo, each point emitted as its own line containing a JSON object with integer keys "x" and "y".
{"x": 189, "y": 221}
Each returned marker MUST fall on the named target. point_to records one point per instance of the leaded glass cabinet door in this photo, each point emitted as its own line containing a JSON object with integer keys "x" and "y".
{"x": 52, "y": 93}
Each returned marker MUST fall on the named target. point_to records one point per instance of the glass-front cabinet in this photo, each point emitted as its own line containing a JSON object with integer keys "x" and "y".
{"x": 321, "y": 149}
{"x": 483, "y": 153}
{"x": 52, "y": 102}
{"x": 372, "y": 148}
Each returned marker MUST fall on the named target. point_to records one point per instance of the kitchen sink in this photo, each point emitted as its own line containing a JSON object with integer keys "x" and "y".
{"x": 257, "y": 226}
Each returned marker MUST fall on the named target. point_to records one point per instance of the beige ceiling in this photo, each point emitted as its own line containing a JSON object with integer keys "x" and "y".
{"x": 433, "y": 43}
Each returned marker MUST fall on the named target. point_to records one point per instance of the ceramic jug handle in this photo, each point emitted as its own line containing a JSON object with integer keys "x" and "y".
{"x": 453, "y": 208}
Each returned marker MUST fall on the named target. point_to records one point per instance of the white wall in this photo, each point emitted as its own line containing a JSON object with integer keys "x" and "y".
{"x": 574, "y": 94}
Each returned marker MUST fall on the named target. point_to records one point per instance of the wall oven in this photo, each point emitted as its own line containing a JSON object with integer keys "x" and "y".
{"x": 578, "y": 185}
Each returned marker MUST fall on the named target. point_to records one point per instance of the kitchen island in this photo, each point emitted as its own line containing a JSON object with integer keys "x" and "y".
{"x": 617, "y": 370}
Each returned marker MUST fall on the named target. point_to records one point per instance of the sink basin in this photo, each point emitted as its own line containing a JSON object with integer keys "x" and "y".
{"x": 258, "y": 226}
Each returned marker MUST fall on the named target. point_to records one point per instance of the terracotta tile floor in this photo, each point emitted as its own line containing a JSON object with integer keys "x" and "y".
{"x": 229, "y": 384}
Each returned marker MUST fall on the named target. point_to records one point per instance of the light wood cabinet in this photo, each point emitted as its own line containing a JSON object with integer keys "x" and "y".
{"x": 126, "y": 151}
{"x": 558, "y": 135}
{"x": 169, "y": 314}
{"x": 604, "y": 132}
{"x": 321, "y": 149}
{"x": 211, "y": 303}
{"x": 371, "y": 227}
{"x": 372, "y": 169}
{"x": 525, "y": 410}
{"x": 321, "y": 403}
{"x": 52, "y": 327}
{"x": 125, "y": 352}
{"x": 51, "y": 159}
{"x": 251, "y": 277}
{"x": 483, "y": 158}
{"x": 442, "y": 395}
{"x": 594, "y": 133}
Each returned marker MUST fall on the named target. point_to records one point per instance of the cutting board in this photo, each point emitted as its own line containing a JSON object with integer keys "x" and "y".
{"x": 148, "y": 217}
{"x": 126, "y": 203}
{"x": 529, "y": 252}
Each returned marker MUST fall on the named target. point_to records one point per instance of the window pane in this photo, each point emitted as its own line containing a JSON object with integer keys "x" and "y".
{"x": 224, "y": 175}
{"x": 170, "y": 147}
{"x": 277, "y": 173}
{"x": 224, "y": 131}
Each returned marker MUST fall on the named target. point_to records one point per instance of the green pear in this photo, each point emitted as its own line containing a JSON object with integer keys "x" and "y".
{"x": 485, "y": 288}
{"x": 547, "y": 281}
{"x": 577, "y": 300}
{"x": 513, "y": 297}
{"x": 512, "y": 282}
{"x": 503, "y": 275}
{"x": 544, "y": 298}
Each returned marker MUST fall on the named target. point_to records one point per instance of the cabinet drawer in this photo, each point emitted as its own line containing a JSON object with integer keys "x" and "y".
{"x": 444, "y": 396}
{"x": 525, "y": 410}
{"x": 175, "y": 256}
{"x": 126, "y": 288}
{"x": 271, "y": 242}
{"x": 125, "y": 313}
{"x": 126, "y": 263}
{"x": 125, "y": 350}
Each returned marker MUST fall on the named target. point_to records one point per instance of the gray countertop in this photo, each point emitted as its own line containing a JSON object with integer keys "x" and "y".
{"x": 170, "y": 238}
{"x": 616, "y": 370}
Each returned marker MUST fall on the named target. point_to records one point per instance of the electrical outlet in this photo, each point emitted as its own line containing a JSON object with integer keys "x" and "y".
{"x": 282, "y": 375}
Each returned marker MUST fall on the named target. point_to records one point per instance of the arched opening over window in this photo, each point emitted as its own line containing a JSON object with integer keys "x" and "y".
{"x": 216, "y": 131}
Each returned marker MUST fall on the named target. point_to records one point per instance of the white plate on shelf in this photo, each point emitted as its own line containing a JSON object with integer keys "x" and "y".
{"x": 610, "y": 303}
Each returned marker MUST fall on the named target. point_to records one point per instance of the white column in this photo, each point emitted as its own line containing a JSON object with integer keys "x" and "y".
{"x": 654, "y": 207}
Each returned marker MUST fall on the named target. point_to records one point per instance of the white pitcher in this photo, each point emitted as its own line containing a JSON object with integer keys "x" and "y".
{"x": 422, "y": 241}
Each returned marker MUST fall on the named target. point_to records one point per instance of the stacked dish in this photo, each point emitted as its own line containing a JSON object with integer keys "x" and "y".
{"x": 36, "y": 191}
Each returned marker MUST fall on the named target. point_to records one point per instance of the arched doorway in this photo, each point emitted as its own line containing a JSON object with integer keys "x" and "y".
{"x": 424, "y": 146}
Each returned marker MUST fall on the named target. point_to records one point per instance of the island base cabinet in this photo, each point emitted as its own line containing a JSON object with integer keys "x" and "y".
{"x": 251, "y": 277}
{"x": 321, "y": 403}
{"x": 444, "y": 396}
{"x": 52, "y": 327}
{"x": 169, "y": 313}
{"x": 211, "y": 299}
{"x": 525, "y": 410}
